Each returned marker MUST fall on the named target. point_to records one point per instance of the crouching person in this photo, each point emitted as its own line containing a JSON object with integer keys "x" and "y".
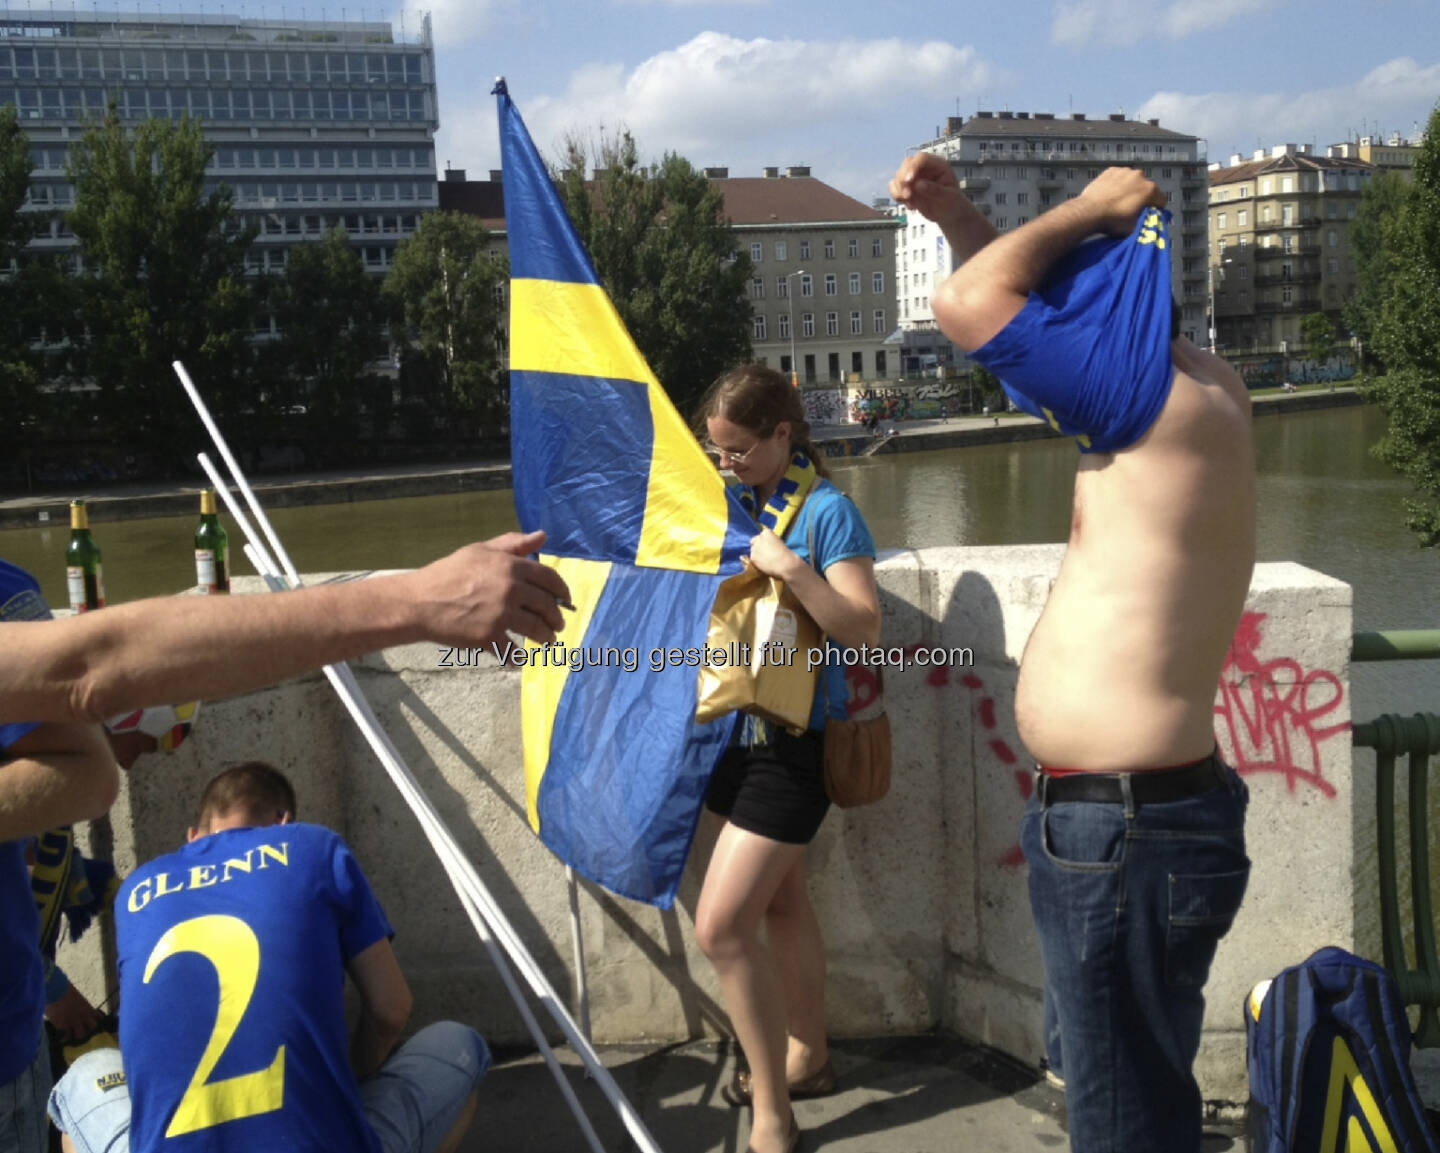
{"x": 232, "y": 956}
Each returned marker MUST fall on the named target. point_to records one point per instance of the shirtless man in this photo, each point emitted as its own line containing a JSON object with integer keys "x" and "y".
{"x": 1135, "y": 834}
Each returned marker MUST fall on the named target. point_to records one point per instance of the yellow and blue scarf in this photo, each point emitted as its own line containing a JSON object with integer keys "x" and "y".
{"x": 779, "y": 511}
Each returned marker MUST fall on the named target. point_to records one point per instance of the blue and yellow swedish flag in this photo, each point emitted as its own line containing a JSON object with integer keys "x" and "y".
{"x": 641, "y": 527}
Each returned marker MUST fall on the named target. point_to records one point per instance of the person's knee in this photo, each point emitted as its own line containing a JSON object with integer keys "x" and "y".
{"x": 719, "y": 934}
{"x": 457, "y": 1045}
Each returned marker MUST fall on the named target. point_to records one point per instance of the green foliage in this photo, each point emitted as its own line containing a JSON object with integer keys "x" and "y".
{"x": 163, "y": 280}
{"x": 1372, "y": 254}
{"x": 666, "y": 255}
{"x": 1406, "y": 336}
{"x": 329, "y": 315}
{"x": 445, "y": 293}
{"x": 1318, "y": 334}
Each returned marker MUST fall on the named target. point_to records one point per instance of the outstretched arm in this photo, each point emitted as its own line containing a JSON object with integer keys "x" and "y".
{"x": 985, "y": 293}
{"x": 158, "y": 651}
{"x": 926, "y": 183}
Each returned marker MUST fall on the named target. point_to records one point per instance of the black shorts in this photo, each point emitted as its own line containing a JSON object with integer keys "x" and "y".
{"x": 776, "y": 791}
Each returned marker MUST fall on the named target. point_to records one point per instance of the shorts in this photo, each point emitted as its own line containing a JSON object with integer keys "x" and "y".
{"x": 411, "y": 1103}
{"x": 775, "y": 791}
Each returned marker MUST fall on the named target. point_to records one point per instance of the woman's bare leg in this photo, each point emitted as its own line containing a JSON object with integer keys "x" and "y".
{"x": 745, "y": 872}
{"x": 793, "y": 933}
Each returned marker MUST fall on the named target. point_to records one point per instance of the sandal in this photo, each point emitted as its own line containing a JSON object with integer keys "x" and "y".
{"x": 792, "y": 1138}
{"x": 820, "y": 1083}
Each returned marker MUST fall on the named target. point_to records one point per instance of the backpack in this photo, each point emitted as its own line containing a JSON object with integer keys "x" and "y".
{"x": 1328, "y": 1050}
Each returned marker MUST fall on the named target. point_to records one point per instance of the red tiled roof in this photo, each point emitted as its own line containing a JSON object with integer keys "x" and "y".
{"x": 748, "y": 201}
{"x": 1289, "y": 162}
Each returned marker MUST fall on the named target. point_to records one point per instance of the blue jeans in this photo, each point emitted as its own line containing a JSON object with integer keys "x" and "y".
{"x": 1130, "y": 902}
{"x": 23, "y": 1126}
{"x": 411, "y": 1103}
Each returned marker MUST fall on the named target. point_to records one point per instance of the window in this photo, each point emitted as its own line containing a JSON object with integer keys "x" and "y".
{"x": 782, "y": 250}
{"x": 877, "y": 282}
{"x": 804, "y": 250}
{"x": 1287, "y": 184}
{"x": 832, "y": 284}
{"x": 755, "y": 251}
{"x": 1287, "y": 243}
{"x": 852, "y": 249}
{"x": 832, "y": 324}
{"x": 829, "y": 250}
{"x": 1022, "y": 198}
{"x": 854, "y": 284}
{"x": 1242, "y": 218}
{"x": 807, "y": 324}
{"x": 807, "y": 285}
{"x": 880, "y": 364}
{"x": 857, "y": 325}
{"x": 759, "y": 326}
{"x": 1287, "y": 214}
{"x": 782, "y": 288}
{"x": 879, "y": 325}
{"x": 1244, "y": 271}
{"x": 1001, "y": 197}
{"x": 1002, "y": 223}
{"x": 757, "y": 288}
{"x": 784, "y": 326}
{"x": 1287, "y": 295}
{"x": 1220, "y": 220}
{"x": 877, "y": 246}
{"x": 1265, "y": 186}
{"x": 1332, "y": 265}
{"x": 1333, "y": 239}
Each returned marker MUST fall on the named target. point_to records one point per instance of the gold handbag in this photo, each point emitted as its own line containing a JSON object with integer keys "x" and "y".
{"x": 757, "y": 658}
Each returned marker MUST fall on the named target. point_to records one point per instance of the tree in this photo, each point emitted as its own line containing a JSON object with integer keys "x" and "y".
{"x": 1381, "y": 204}
{"x": 445, "y": 293}
{"x": 328, "y": 310}
{"x": 666, "y": 254}
{"x": 1318, "y": 334}
{"x": 1406, "y": 334}
{"x": 163, "y": 280}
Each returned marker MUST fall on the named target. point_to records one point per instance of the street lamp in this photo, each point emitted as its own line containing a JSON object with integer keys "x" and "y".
{"x": 1219, "y": 267}
{"x": 790, "y": 300}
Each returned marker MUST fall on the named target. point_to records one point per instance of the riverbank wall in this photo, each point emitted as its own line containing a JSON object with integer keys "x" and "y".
{"x": 134, "y": 502}
{"x": 922, "y": 898}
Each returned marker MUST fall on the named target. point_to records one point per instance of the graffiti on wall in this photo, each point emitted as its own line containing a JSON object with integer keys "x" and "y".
{"x": 1272, "y": 714}
{"x": 823, "y": 405}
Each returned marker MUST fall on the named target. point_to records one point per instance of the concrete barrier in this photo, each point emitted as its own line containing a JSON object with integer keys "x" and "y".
{"x": 922, "y": 898}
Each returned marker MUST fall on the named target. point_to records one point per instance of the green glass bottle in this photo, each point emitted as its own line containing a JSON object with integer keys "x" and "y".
{"x": 212, "y": 549}
{"x": 84, "y": 574}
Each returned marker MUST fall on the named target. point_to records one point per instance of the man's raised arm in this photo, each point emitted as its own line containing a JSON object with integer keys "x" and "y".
{"x": 168, "y": 649}
{"x": 985, "y": 293}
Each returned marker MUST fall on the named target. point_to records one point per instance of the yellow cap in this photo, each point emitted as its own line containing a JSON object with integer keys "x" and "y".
{"x": 207, "y": 502}
{"x": 79, "y": 518}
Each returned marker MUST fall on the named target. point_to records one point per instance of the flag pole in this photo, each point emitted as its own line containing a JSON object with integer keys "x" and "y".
{"x": 462, "y": 874}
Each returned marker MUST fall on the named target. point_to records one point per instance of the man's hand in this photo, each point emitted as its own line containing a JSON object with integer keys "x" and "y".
{"x": 1116, "y": 197}
{"x": 478, "y": 594}
{"x": 926, "y": 183}
{"x": 74, "y": 1017}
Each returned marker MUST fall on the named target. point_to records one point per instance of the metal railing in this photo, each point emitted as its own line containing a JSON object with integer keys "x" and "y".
{"x": 1417, "y": 738}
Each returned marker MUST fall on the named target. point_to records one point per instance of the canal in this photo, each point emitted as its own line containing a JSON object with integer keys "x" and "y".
{"x": 1325, "y": 502}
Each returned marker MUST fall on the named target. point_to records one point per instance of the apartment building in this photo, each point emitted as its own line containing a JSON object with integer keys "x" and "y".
{"x": 1015, "y": 165}
{"x": 1392, "y": 154}
{"x": 1279, "y": 228}
{"x": 315, "y": 124}
{"x": 822, "y": 287}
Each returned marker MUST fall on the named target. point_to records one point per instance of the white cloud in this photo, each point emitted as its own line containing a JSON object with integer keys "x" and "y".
{"x": 1389, "y": 98}
{"x": 453, "y": 22}
{"x": 718, "y": 99}
{"x": 1123, "y": 22}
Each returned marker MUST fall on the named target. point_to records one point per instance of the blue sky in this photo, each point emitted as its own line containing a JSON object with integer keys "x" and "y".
{"x": 847, "y": 86}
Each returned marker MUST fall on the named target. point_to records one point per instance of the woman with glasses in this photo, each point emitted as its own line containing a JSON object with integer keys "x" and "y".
{"x": 769, "y": 787}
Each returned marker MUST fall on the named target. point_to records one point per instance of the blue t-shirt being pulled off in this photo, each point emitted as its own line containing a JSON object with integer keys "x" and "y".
{"x": 840, "y": 533}
{"x": 1090, "y": 351}
{"x": 232, "y": 955}
{"x": 22, "y": 974}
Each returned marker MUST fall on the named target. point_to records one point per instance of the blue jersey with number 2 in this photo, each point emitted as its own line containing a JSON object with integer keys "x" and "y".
{"x": 232, "y": 1018}
{"x": 1090, "y": 351}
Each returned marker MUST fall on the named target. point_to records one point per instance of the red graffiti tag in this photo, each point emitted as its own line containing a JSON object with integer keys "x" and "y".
{"x": 1014, "y": 856}
{"x": 1269, "y": 711}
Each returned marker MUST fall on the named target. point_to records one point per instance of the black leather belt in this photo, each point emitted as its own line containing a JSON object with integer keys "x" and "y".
{"x": 1150, "y": 787}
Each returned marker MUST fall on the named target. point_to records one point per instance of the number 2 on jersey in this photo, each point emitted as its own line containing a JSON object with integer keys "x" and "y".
{"x": 230, "y": 945}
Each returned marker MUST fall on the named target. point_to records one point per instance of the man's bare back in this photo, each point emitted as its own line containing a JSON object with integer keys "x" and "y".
{"x": 1120, "y": 672}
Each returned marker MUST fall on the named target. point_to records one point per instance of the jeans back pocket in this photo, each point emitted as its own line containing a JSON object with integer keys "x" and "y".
{"x": 1202, "y": 909}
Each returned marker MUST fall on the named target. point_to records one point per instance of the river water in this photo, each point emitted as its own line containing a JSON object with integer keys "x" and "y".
{"x": 1325, "y": 502}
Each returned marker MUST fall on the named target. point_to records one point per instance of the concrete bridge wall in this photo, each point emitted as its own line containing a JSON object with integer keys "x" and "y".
{"x": 922, "y": 898}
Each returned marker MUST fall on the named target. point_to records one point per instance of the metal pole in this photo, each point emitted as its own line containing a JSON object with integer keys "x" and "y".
{"x": 582, "y": 987}
{"x": 790, "y": 300}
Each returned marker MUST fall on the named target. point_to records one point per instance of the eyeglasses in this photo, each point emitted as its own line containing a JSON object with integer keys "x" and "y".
{"x": 737, "y": 457}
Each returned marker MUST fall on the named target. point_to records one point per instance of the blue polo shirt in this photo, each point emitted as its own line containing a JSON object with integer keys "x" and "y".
{"x": 1090, "y": 351}
{"x": 232, "y": 955}
{"x": 22, "y": 974}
